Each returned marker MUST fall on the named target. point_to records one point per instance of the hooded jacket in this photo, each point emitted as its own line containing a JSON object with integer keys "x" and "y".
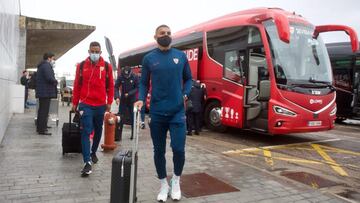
{"x": 92, "y": 89}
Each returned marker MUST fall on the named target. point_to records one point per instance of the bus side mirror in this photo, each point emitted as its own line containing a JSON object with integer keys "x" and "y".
{"x": 348, "y": 30}
{"x": 281, "y": 21}
{"x": 264, "y": 93}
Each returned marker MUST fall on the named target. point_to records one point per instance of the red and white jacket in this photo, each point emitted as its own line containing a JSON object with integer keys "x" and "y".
{"x": 92, "y": 90}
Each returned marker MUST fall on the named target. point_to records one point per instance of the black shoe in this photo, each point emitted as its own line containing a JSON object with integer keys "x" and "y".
{"x": 94, "y": 158}
{"x": 86, "y": 170}
{"x": 197, "y": 133}
{"x": 189, "y": 133}
{"x": 44, "y": 133}
{"x": 48, "y": 127}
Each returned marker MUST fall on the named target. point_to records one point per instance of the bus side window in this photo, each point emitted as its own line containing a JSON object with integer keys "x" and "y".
{"x": 233, "y": 66}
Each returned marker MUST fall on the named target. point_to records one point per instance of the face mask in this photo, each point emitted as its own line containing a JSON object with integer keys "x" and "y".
{"x": 94, "y": 57}
{"x": 52, "y": 62}
{"x": 164, "y": 41}
{"x": 127, "y": 72}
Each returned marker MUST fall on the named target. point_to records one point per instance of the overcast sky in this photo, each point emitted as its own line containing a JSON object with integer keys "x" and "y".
{"x": 131, "y": 23}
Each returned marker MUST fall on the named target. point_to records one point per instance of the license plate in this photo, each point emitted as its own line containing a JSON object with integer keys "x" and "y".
{"x": 314, "y": 123}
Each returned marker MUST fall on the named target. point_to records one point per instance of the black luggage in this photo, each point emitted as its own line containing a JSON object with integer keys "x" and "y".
{"x": 124, "y": 170}
{"x": 71, "y": 137}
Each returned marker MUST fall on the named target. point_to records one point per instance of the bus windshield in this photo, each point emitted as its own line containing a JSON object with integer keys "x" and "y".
{"x": 303, "y": 62}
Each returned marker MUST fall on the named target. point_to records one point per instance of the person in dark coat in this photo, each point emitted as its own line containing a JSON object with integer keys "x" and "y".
{"x": 24, "y": 80}
{"x": 45, "y": 90}
{"x": 197, "y": 96}
{"x": 129, "y": 84}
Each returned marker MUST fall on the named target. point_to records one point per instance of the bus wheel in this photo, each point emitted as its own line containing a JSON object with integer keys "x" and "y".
{"x": 212, "y": 117}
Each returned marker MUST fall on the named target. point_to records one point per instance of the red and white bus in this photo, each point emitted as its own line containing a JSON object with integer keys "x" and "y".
{"x": 265, "y": 69}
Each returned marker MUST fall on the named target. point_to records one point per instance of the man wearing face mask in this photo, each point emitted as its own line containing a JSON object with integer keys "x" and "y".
{"x": 129, "y": 84}
{"x": 45, "y": 90}
{"x": 93, "y": 94}
{"x": 171, "y": 82}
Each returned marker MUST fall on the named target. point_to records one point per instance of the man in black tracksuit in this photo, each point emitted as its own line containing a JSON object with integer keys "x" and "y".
{"x": 129, "y": 83}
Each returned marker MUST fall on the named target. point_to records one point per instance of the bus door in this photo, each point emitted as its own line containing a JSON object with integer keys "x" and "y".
{"x": 257, "y": 91}
{"x": 233, "y": 88}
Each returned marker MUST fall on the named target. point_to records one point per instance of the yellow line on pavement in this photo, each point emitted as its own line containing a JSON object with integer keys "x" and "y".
{"x": 329, "y": 160}
{"x": 280, "y": 158}
{"x": 297, "y": 160}
{"x": 248, "y": 155}
{"x": 256, "y": 149}
{"x": 268, "y": 158}
{"x": 284, "y": 159}
{"x": 314, "y": 185}
{"x": 337, "y": 150}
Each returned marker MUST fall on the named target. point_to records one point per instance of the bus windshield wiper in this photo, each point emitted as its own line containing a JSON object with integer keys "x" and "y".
{"x": 306, "y": 85}
{"x": 312, "y": 80}
{"x": 326, "y": 83}
{"x": 315, "y": 54}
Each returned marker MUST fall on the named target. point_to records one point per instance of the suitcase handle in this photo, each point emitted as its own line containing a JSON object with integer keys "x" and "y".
{"x": 70, "y": 112}
{"x": 70, "y": 120}
{"x": 136, "y": 126}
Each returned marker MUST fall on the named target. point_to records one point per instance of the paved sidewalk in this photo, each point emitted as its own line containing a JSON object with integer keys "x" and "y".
{"x": 33, "y": 169}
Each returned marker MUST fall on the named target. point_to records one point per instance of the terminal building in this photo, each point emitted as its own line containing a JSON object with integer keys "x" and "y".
{"x": 23, "y": 41}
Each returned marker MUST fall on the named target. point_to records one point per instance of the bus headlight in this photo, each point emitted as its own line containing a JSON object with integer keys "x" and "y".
{"x": 333, "y": 112}
{"x": 283, "y": 111}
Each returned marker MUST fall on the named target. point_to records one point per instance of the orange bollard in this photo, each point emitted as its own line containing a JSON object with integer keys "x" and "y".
{"x": 109, "y": 131}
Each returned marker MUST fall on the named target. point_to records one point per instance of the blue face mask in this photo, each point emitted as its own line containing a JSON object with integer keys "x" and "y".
{"x": 94, "y": 57}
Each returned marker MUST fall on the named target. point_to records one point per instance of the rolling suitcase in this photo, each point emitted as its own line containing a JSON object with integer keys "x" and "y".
{"x": 71, "y": 137}
{"x": 124, "y": 170}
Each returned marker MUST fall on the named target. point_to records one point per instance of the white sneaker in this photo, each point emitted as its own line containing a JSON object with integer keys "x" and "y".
{"x": 164, "y": 191}
{"x": 175, "y": 188}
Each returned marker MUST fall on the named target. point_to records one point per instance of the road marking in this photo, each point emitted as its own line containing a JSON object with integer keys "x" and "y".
{"x": 329, "y": 160}
{"x": 271, "y": 156}
{"x": 255, "y": 149}
{"x": 283, "y": 158}
{"x": 314, "y": 185}
{"x": 298, "y": 160}
{"x": 337, "y": 150}
{"x": 268, "y": 158}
